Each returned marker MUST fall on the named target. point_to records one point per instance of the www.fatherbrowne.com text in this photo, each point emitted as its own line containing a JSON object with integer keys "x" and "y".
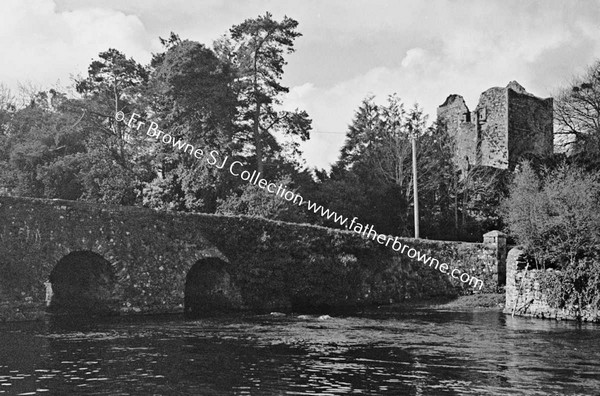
{"x": 236, "y": 169}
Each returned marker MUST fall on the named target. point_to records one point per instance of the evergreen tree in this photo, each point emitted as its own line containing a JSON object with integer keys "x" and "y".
{"x": 256, "y": 49}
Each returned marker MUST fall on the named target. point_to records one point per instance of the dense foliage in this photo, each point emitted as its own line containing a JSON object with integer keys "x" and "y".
{"x": 216, "y": 99}
{"x": 373, "y": 177}
{"x": 555, "y": 213}
{"x": 576, "y": 286}
{"x": 229, "y": 97}
{"x": 256, "y": 48}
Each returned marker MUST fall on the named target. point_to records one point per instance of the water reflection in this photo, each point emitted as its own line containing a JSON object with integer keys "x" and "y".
{"x": 415, "y": 353}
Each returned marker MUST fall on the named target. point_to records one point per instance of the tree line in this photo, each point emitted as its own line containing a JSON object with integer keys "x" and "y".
{"x": 228, "y": 97}
{"x": 225, "y": 97}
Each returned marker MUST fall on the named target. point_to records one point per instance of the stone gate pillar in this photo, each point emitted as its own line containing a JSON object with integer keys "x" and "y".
{"x": 512, "y": 286}
{"x": 496, "y": 242}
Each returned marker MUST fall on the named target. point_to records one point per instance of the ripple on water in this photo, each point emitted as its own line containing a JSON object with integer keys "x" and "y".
{"x": 408, "y": 353}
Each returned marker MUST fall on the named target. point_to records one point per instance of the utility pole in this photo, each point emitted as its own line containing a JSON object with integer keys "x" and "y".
{"x": 416, "y": 193}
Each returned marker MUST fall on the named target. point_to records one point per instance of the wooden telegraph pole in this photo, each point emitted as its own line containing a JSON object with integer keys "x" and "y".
{"x": 416, "y": 193}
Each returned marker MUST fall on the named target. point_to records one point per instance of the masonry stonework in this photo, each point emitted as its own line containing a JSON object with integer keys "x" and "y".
{"x": 144, "y": 261}
{"x": 525, "y": 297}
{"x": 507, "y": 125}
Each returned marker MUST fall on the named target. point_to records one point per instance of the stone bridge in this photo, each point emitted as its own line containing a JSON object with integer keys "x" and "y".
{"x": 67, "y": 256}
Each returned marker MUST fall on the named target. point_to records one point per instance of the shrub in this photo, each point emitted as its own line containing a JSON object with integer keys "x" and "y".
{"x": 257, "y": 202}
{"x": 577, "y": 285}
{"x": 555, "y": 214}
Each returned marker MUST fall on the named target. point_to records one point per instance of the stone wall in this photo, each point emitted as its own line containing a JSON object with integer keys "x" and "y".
{"x": 455, "y": 117}
{"x": 492, "y": 122}
{"x": 525, "y": 297}
{"x": 264, "y": 265}
{"x": 507, "y": 125}
{"x": 150, "y": 253}
{"x": 530, "y": 122}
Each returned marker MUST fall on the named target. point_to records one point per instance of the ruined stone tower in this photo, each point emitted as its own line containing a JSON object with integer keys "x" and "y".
{"x": 507, "y": 125}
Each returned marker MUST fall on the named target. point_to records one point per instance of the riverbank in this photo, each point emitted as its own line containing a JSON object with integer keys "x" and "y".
{"x": 479, "y": 302}
{"x": 493, "y": 301}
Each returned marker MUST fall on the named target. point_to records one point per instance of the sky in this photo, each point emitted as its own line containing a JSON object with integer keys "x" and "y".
{"x": 421, "y": 50}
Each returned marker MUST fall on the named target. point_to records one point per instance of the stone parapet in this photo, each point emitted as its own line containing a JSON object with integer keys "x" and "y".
{"x": 525, "y": 297}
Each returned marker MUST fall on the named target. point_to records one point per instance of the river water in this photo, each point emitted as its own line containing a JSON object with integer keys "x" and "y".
{"x": 417, "y": 352}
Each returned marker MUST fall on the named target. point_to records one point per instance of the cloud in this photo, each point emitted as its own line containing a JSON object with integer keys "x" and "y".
{"x": 46, "y": 45}
{"x": 464, "y": 48}
{"x": 415, "y": 57}
{"x": 421, "y": 50}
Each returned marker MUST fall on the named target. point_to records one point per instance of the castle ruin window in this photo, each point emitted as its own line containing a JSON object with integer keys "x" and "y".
{"x": 465, "y": 117}
{"x": 482, "y": 114}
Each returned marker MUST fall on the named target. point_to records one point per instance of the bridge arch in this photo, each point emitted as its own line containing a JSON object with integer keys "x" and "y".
{"x": 210, "y": 289}
{"x": 82, "y": 282}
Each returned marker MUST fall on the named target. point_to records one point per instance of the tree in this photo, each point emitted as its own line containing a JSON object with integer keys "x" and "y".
{"x": 555, "y": 215}
{"x": 479, "y": 192}
{"x": 37, "y": 142}
{"x": 360, "y": 136}
{"x": 574, "y": 213}
{"x": 438, "y": 185}
{"x": 577, "y": 113}
{"x": 393, "y": 156}
{"x": 192, "y": 98}
{"x": 7, "y": 100}
{"x": 111, "y": 86}
{"x": 257, "y": 202}
{"x": 376, "y": 159}
{"x": 256, "y": 48}
{"x": 345, "y": 194}
{"x": 118, "y": 162}
{"x": 525, "y": 210}
{"x": 192, "y": 90}
{"x": 378, "y": 151}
